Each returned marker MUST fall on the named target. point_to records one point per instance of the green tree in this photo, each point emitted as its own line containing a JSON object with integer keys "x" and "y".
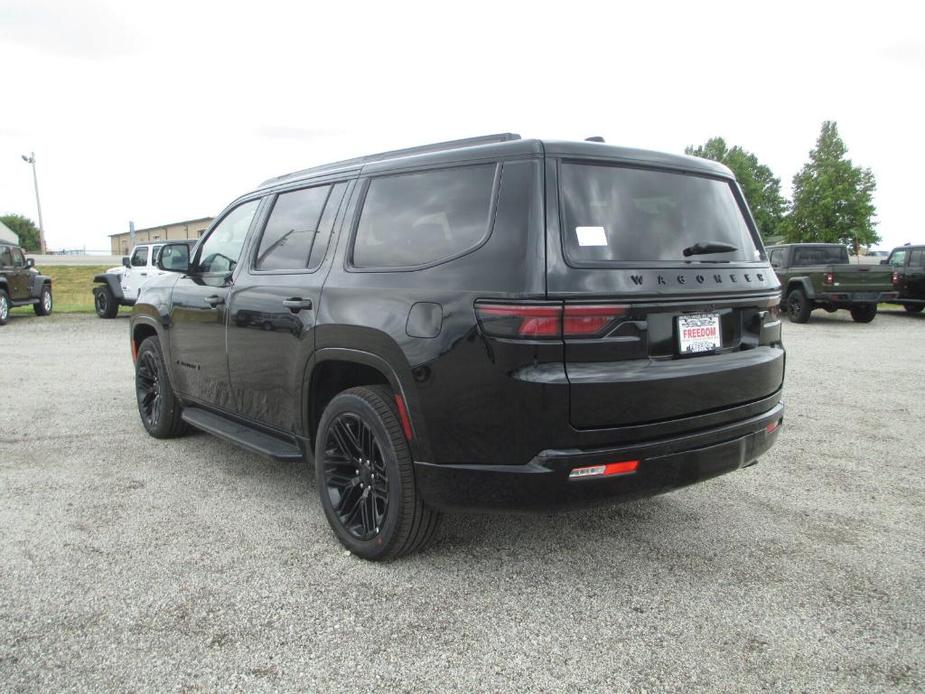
{"x": 26, "y": 230}
{"x": 760, "y": 186}
{"x": 832, "y": 198}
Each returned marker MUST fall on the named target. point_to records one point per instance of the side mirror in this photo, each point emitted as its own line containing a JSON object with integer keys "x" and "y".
{"x": 174, "y": 257}
{"x": 30, "y": 263}
{"x": 126, "y": 262}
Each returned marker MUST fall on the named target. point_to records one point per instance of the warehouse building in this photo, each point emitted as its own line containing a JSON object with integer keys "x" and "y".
{"x": 177, "y": 231}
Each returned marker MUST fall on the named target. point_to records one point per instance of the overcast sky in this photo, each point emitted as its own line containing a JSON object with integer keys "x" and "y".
{"x": 164, "y": 111}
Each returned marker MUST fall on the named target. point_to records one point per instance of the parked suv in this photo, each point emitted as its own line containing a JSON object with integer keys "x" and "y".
{"x": 908, "y": 265}
{"x": 120, "y": 286}
{"x": 491, "y": 323}
{"x": 21, "y": 284}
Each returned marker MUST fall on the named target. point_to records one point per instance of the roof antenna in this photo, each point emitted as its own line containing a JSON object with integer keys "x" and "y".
{"x": 596, "y": 138}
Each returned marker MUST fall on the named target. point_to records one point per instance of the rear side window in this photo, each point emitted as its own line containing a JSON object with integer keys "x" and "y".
{"x": 613, "y": 214}
{"x": 291, "y": 229}
{"x": 416, "y": 219}
{"x": 820, "y": 255}
{"x": 917, "y": 257}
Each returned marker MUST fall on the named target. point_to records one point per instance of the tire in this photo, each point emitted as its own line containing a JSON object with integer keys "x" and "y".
{"x": 105, "y": 303}
{"x": 798, "y": 306}
{"x": 374, "y": 520}
{"x": 914, "y": 308}
{"x": 863, "y": 313}
{"x": 4, "y": 307}
{"x": 45, "y": 304}
{"x": 158, "y": 406}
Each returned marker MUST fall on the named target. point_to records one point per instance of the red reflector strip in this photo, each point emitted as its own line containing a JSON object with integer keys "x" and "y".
{"x": 533, "y": 320}
{"x": 625, "y": 467}
{"x": 134, "y": 351}
{"x": 773, "y": 426}
{"x": 403, "y": 417}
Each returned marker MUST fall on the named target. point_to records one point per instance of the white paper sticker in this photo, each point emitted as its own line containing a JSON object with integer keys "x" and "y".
{"x": 591, "y": 236}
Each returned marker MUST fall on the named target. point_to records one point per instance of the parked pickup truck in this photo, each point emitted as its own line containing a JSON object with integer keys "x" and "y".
{"x": 819, "y": 275}
{"x": 119, "y": 286}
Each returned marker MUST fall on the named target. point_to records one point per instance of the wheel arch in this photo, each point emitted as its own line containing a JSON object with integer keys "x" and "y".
{"x": 111, "y": 281}
{"x": 333, "y": 370}
{"x": 801, "y": 283}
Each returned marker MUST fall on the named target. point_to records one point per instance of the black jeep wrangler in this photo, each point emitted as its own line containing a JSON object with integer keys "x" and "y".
{"x": 490, "y": 323}
{"x": 21, "y": 284}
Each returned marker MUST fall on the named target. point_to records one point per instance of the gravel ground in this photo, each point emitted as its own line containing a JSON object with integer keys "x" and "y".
{"x": 134, "y": 564}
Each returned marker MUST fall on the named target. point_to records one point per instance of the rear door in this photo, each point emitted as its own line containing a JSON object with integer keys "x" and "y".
{"x": 274, "y": 301}
{"x": 915, "y": 274}
{"x": 897, "y": 263}
{"x": 19, "y": 277}
{"x": 651, "y": 333}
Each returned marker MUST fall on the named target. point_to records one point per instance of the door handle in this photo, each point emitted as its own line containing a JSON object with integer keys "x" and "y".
{"x": 215, "y": 300}
{"x": 296, "y": 304}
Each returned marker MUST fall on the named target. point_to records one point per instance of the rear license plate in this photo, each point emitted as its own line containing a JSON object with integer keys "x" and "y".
{"x": 699, "y": 332}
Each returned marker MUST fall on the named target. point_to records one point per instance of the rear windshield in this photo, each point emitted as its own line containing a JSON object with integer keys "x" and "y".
{"x": 616, "y": 214}
{"x": 820, "y": 255}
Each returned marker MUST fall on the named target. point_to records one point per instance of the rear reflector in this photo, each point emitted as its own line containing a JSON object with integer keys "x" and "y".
{"x": 403, "y": 417}
{"x": 773, "y": 426}
{"x": 545, "y": 321}
{"x": 625, "y": 467}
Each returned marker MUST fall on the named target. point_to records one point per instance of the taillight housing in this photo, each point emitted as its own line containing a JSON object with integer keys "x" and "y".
{"x": 774, "y": 311}
{"x": 828, "y": 278}
{"x": 896, "y": 279}
{"x": 547, "y": 320}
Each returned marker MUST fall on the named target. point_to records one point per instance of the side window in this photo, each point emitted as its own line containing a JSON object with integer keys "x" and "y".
{"x": 140, "y": 257}
{"x": 291, "y": 230}
{"x": 155, "y": 254}
{"x": 917, "y": 257}
{"x": 222, "y": 248}
{"x": 420, "y": 218}
{"x": 6, "y": 256}
{"x": 775, "y": 257}
{"x": 18, "y": 260}
{"x": 326, "y": 225}
{"x": 898, "y": 259}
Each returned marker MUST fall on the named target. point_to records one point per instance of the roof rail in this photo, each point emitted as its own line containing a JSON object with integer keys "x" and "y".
{"x": 395, "y": 154}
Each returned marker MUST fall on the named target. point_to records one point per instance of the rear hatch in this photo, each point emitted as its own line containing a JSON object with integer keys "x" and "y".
{"x": 669, "y": 308}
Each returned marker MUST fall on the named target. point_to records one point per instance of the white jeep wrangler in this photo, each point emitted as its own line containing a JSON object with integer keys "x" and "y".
{"x": 119, "y": 286}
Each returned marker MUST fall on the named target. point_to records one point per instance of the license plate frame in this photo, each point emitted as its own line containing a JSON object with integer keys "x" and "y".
{"x": 699, "y": 333}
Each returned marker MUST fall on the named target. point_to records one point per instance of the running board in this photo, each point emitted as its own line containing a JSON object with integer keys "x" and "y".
{"x": 242, "y": 435}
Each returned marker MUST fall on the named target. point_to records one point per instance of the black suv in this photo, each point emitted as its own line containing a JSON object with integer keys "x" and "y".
{"x": 908, "y": 263}
{"x": 20, "y": 284}
{"x": 490, "y": 323}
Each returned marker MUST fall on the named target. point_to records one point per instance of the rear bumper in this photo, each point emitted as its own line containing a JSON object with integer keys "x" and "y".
{"x": 855, "y": 297}
{"x": 543, "y": 484}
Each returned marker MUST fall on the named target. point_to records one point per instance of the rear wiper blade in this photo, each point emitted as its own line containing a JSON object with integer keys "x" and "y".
{"x": 703, "y": 247}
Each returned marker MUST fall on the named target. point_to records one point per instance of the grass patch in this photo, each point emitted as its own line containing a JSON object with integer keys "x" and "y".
{"x": 71, "y": 286}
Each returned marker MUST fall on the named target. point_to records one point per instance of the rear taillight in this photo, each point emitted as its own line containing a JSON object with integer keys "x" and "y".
{"x": 544, "y": 321}
{"x": 625, "y": 467}
{"x": 895, "y": 278}
{"x": 774, "y": 311}
{"x": 828, "y": 278}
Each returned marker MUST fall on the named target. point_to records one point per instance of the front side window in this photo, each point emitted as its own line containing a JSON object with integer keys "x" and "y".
{"x": 222, "y": 248}
{"x": 292, "y": 229}
{"x": 18, "y": 260}
{"x": 140, "y": 257}
{"x": 613, "y": 214}
{"x": 898, "y": 259}
{"x": 420, "y": 218}
{"x": 775, "y": 256}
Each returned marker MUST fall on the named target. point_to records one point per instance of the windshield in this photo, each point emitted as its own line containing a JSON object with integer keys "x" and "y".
{"x": 614, "y": 214}
{"x": 820, "y": 255}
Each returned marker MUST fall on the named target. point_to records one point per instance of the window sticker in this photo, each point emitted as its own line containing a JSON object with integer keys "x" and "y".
{"x": 591, "y": 236}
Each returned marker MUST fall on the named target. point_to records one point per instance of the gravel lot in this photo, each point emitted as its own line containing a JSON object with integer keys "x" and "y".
{"x": 134, "y": 564}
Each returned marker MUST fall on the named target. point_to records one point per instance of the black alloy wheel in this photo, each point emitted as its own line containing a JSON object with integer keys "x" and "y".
{"x": 365, "y": 476}
{"x": 159, "y": 408}
{"x": 356, "y": 476}
{"x": 148, "y": 387}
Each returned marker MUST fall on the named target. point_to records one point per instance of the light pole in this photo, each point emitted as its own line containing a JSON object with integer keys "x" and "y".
{"x": 35, "y": 179}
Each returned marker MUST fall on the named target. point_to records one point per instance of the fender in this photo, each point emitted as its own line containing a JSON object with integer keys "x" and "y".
{"x": 803, "y": 283}
{"x": 112, "y": 281}
{"x": 38, "y": 281}
{"x": 402, "y": 384}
